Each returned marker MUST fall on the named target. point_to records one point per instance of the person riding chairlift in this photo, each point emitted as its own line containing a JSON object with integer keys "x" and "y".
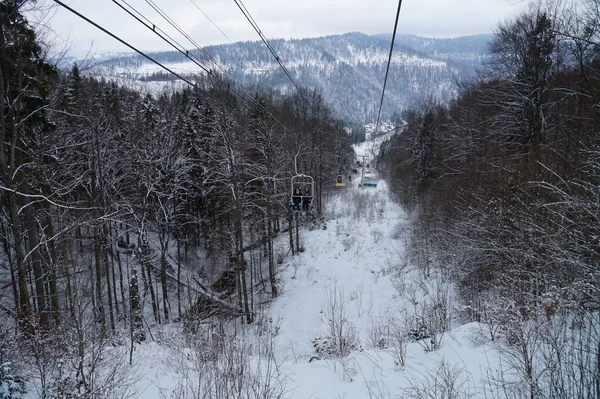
{"x": 307, "y": 198}
{"x": 297, "y": 198}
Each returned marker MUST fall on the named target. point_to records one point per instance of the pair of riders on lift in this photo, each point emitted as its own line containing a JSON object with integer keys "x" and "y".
{"x": 301, "y": 197}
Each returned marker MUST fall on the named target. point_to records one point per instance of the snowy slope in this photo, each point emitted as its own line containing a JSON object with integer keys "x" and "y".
{"x": 352, "y": 281}
{"x": 370, "y": 148}
{"x": 347, "y": 69}
{"x": 356, "y": 269}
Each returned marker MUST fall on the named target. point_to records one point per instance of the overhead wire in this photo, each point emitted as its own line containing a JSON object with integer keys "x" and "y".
{"x": 160, "y": 33}
{"x": 250, "y": 19}
{"x": 187, "y": 36}
{"x": 220, "y": 30}
{"x": 124, "y": 42}
{"x": 171, "y": 42}
{"x": 148, "y": 22}
{"x": 211, "y": 21}
{"x": 387, "y": 69}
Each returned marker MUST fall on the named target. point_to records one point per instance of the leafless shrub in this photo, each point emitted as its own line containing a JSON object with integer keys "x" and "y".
{"x": 238, "y": 366}
{"x": 342, "y": 338}
{"x": 445, "y": 382}
{"x": 399, "y": 341}
{"x": 348, "y": 242}
{"x": 488, "y": 312}
{"x": 377, "y": 234}
{"x": 360, "y": 205}
{"x": 547, "y": 356}
{"x": 96, "y": 369}
{"x": 379, "y": 333}
{"x": 399, "y": 282}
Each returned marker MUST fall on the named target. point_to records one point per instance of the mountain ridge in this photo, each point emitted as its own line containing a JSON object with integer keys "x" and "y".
{"x": 348, "y": 69}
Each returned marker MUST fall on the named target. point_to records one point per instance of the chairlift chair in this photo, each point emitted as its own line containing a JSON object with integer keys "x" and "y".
{"x": 303, "y": 198}
{"x": 340, "y": 181}
{"x": 369, "y": 179}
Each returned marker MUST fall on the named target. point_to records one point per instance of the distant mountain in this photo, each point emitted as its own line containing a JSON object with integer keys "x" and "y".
{"x": 347, "y": 69}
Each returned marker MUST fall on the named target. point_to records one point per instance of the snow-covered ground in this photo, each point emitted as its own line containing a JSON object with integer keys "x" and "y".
{"x": 353, "y": 280}
{"x": 370, "y": 148}
{"x": 346, "y": 324}
{"x": 336, "y": 329}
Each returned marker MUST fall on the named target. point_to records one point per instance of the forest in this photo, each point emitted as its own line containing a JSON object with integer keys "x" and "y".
{"x": 123, "y": 212}
{"x": 100, "y": 185}
{"x": 348, "y": 69}
{"x": 504, "y": 183}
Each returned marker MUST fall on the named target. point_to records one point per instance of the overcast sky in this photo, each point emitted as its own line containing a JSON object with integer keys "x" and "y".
{"x": 276, "y": 19}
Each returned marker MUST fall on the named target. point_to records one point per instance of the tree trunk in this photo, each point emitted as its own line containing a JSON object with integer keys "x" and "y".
{"x": 7, "y": 167}
{"x": 147, "y": 269}
{"x": 108, "y": 274}
{"x": 13, "y": 279}
{"x": 297, "y": 233}
{"x": 272, "y": 278}
{"x": 113, "y": 275}
{"x": 70, "y": 302}
{"x": 179, "y": 314}
{"x": 291, "y": 230}
{"x": 33, "y": 242}
{"x": 52, "y": 288}
{"x": 100, "y": 316}
{"x": 163, "y": 282}
{"x": 242, "y": 264}
{"x": 122, "y": 287}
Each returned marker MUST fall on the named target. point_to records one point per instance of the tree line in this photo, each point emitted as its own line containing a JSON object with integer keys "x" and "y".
{"x": 90, "y": 170}
{"x": 503, "y": 183}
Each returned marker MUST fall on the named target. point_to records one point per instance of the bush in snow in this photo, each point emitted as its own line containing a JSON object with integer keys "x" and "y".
{"x": 225, "y": 362}
{"x": 348, "y": 242}
{"x": 379, "y": 333}
{"x": 445, "y": 382}
{"x": 323, "y": 347}
{"x": 399, "y": 341}
{"x": 327, "y": 347}
{"x": 377, "y": 234}
{"x": 547, "y": 351}
{"x": 419, "y": 330}
{"x": 342, "y": 337}
{"x": 11, "y": 386}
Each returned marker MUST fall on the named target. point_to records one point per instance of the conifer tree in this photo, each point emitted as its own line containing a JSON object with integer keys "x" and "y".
{"x": 25, "y": 84}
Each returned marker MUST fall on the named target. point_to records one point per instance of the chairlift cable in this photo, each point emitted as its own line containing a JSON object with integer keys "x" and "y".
{"x": 246, "y": 13}
{"x": 220, "y": 30}
{"x": 387, "y": 69}
{"x": 180, "y": 48}
{"x": 124, "y": 42}
{"x": 211, "y": 21}
{"x": 211, "y": 58}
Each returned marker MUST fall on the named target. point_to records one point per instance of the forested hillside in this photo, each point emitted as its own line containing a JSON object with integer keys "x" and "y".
{"x": 150, "y": 249}
{"x": 504, "y": 185}
{"x": 112, "y": 200}
{"x": 347, "y": 69}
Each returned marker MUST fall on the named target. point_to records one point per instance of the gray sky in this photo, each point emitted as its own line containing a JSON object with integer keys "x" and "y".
{"x": 276, "y": 19}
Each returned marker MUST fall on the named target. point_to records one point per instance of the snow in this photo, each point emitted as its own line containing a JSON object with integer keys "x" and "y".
{"x": 356, "y": 269}
{"x": 356, "y": 259}
{"x": 353, "y": 278}
{"x": 370, "y": 148}
{"x": 369, "y": 57}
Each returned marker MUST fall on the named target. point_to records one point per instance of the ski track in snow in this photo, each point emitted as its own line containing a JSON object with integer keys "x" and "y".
{"x": 361, "y": 274}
